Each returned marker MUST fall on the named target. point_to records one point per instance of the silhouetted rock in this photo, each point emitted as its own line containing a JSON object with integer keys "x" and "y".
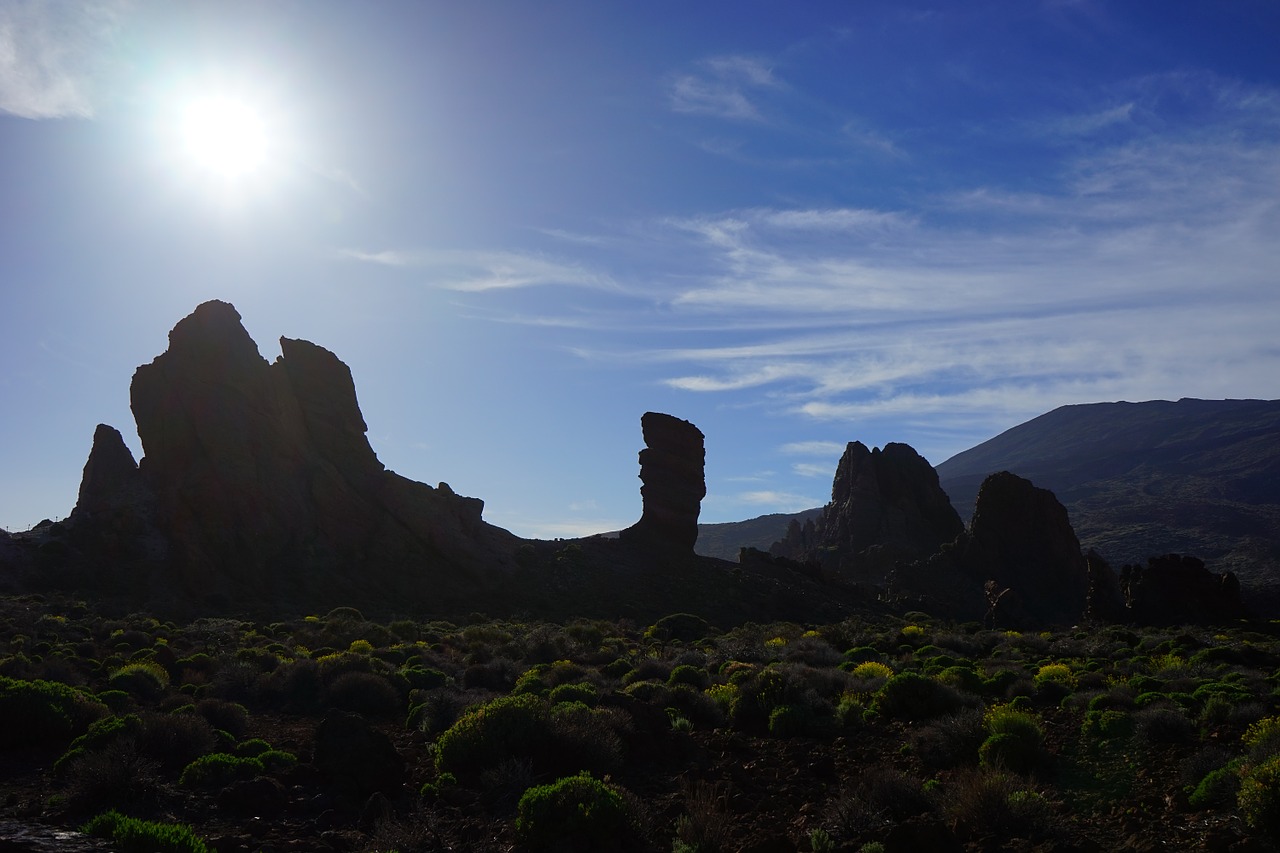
{"x": 110, "y": 478}
{"x": 1018, "y": 565}
{"x": 1104, "y": 602}
{"x": 267, "y": 488}
{"x": 886, "y": 508}
{"x": 671, "y": 470}
{"x": 1175, "y": 590}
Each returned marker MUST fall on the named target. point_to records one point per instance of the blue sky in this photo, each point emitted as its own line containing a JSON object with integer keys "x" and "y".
{"x": 523, "y": 225}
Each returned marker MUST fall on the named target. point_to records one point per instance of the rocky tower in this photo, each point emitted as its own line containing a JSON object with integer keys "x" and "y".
{"x": 886, "y": 507}
{"x": 672, "y": 473}
{"x": 265, "y": 484}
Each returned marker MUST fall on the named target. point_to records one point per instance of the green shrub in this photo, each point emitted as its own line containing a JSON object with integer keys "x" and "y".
{"x": 132, "y": 835}
{"x": 487, "y": 735}
{"x": 252, "y": 748}
{"x": 1263, "y": 738}
{"x": 794, "y": 721}
{"x": 1217, "y": 789}
{"x": 580, "y": 810}
{"x": 44, "y": 713}
{"x": 1008, "y": 752}
{"x": 1106, "y": 725}
{"x": 911, "y": 696}
{"x": 277, "y": 760}
{"x": 218, "y": 770}
{"x": 684, "y": 627}
{"x": 693, "y": 676}
{"x": 143, "y": 679}
{"x": 584, "y": 693}
{"x": 1259, "y": 796}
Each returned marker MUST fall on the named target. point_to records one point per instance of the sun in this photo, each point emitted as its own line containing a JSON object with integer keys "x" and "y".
{"x": 225, "y": 137}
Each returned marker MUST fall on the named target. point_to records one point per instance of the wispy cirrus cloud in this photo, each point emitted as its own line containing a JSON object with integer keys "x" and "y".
{"x": 54, "y": 56}
{"x": 476, "y": 271}
{"x": 723, "y": 87}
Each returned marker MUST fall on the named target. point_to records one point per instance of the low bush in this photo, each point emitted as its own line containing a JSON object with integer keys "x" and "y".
{"x": 131, "y": 835}
{"x": 1217, "y": 789}
{"x": 218, "y": 770}
{"x": 44, "y": 713}
{"x": 1259, "y": 796}
{"x": 577, "y": 813}
{"x": 484, "y": 736}
{"x": 911, "y": 696}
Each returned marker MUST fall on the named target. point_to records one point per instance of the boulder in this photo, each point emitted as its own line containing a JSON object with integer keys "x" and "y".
{"x": 671, "y": 471}
{"x": 886, "y": 508}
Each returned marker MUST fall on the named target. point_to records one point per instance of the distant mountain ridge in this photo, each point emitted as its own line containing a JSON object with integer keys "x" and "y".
{"x": 1199, "y": 477}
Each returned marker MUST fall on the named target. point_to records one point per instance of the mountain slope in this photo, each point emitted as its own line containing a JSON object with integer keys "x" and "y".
{"x": 1199, "y": 477}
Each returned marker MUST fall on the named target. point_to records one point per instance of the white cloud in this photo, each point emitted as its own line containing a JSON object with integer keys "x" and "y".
{"x": 54, "y": 55}
{"x": 475, "y": 271}
{"x": 813, "y": 448}
{"x": 721, "y": 86}
{"x": 777, "y": 501}
{"x": 813, "y": 469}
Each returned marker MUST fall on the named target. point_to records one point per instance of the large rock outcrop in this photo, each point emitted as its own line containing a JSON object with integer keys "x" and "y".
{"x": 1179, "y": 590}
{"x": 262, "y": 482}
{"x": 886, "y": 508}
{"x": 672, "y": 473}
{"x": 1018, "y": 564}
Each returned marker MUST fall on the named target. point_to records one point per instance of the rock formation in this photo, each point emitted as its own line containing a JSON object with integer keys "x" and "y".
{"x": 1019, "y": 563}
{"x": 671, "y": 470}
{"x": 886, "y": 508}
{"x": 262, "y": 482}
{"x": 1176, "y": 590}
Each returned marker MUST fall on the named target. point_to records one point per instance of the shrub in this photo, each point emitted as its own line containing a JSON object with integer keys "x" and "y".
{"x": 132, "y": 835}
{"x": 365, "y": 693}
{"x": 486, "y": 735}
{"x": 252, "y": 748}
{"x": 912, "y": 696}
{"x": 678, "y": 626}
{"x": 143, "y": 679}
{"x": 277, "y": 760}
{"x": 693, "y": 676}
{"x": 229, "y": 716}
{"x": 1163, "y": 725}
{"x": 871, "y": 669}
{"x": 583, "y": 811}
{"x": 1008, "y": 752}
{"x": 1217, "y": 789}
{"x": 1263, "y": 738}
{"x": 1055, "y": 673}
{"x": 797, "y": 721}
{"x": 1259, "y": 796}
{"x": 43, "y": 713}
{"x": 584, "y": 693}
{"x": 1106, "y": 725}
{"x": 218, "y": 770}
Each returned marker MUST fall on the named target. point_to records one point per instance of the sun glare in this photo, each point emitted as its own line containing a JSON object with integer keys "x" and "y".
{"x": 225, "y": 137}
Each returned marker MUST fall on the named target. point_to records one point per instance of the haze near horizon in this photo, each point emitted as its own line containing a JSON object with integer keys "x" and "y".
{"x": 522, "y": 226}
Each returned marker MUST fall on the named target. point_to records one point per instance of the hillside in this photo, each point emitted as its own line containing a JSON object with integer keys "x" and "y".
{"x": 723, "y": 540}
{"x": 1193, "y": 476}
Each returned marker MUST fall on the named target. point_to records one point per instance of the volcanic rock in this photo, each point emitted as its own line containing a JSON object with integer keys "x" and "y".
{"x": 1019, "y": 563}
{"x": 262, "y": 482}
{"x": 111, "y": 480}
{"x": 1176, "y": 590}
{"x": 671, "y": 471}
{"x": 886, "y": 508}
